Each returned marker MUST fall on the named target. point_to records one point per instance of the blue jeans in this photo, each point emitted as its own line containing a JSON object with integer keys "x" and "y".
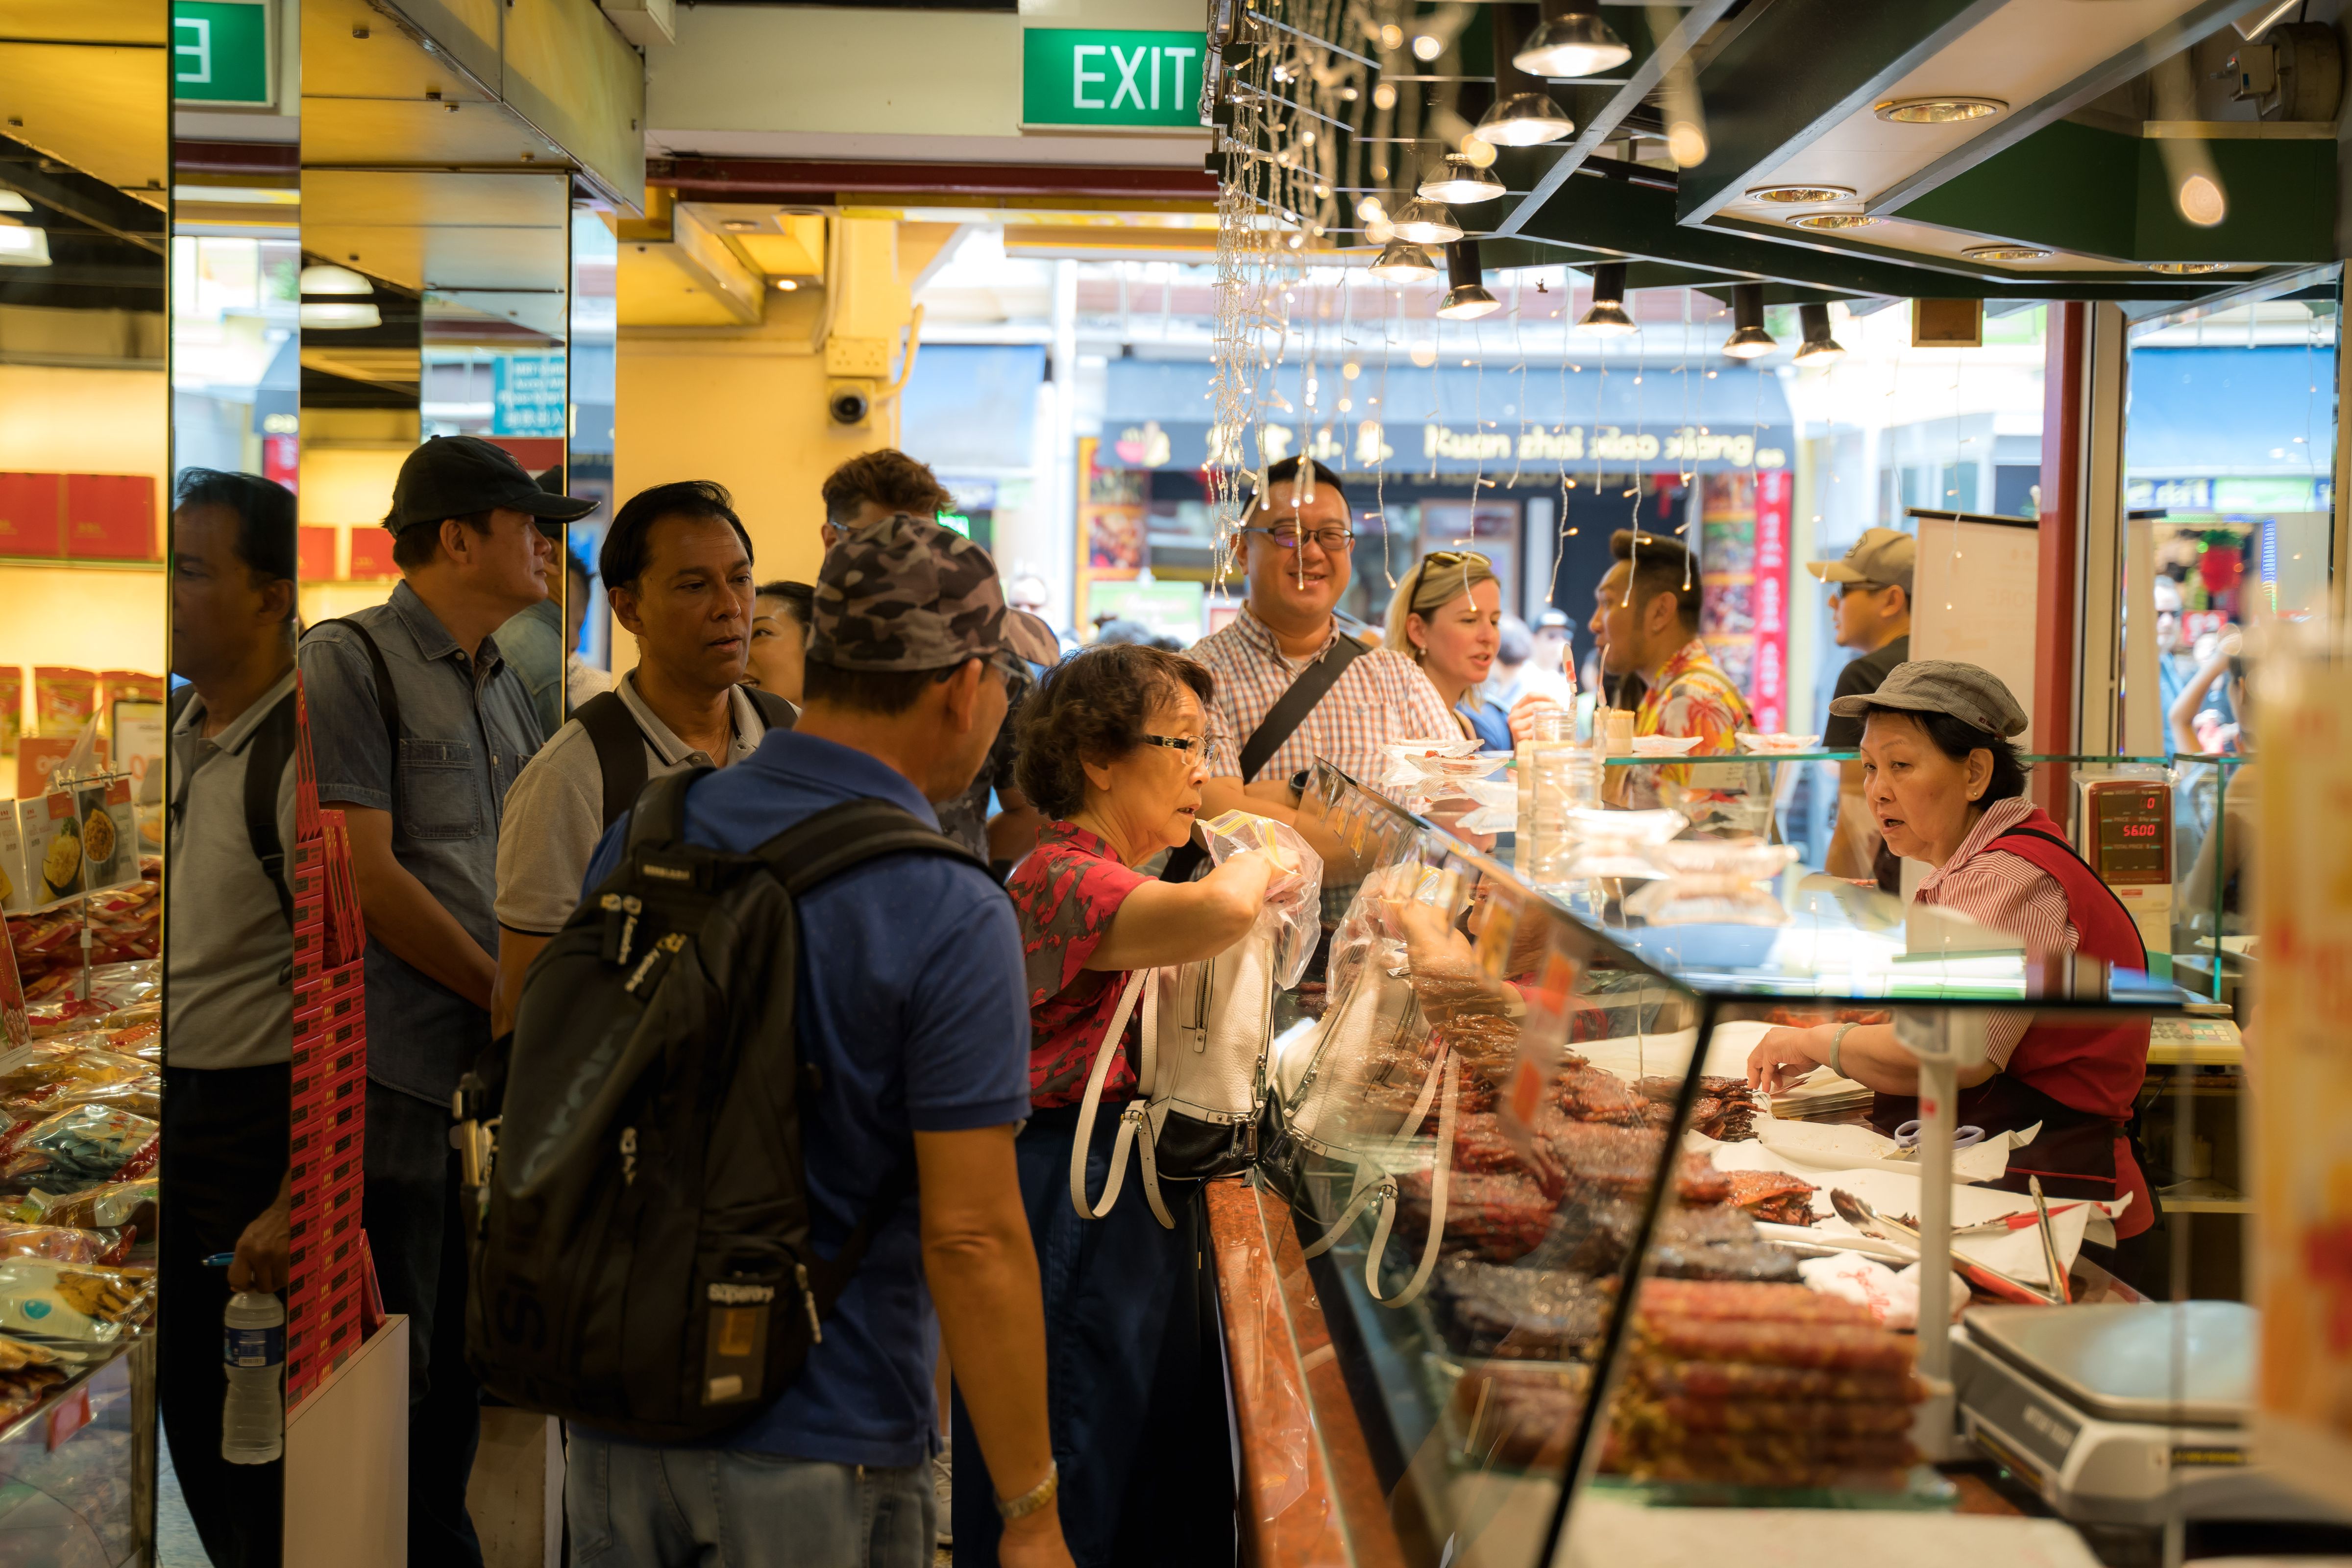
{"x": 633, "y": 1506}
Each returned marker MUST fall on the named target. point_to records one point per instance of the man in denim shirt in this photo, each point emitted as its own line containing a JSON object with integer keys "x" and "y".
{"x": 425, "y": 837}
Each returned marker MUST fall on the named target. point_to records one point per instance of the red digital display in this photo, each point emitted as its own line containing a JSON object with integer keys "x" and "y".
{"x": 2131, "y": 838}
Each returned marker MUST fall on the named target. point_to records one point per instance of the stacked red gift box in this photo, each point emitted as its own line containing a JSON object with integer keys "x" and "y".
{"x": 329, "y": 1132}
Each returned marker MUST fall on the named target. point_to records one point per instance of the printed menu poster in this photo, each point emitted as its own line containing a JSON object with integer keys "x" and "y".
{"x": 52, "y": 847}
{"x": 16, "y": 1030}
{"x": 2299, "y": 1131}
{"x": 16, "y": 885}
{"x": 109, "y": 829}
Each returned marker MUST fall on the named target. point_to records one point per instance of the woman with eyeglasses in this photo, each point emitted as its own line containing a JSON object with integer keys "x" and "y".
{"x": 1113, "y": 748}
{"x": 1446, "y": 615}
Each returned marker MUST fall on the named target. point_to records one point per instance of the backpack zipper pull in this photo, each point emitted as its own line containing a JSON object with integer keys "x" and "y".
{"x": 631, "y": 907}
{"x": 628, "y": 1156}
{"x": 620, "y": 913}
{"x": 808, "y": 1300}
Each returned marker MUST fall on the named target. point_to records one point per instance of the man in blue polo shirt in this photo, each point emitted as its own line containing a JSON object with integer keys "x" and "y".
{"x": 912, "y": 1010}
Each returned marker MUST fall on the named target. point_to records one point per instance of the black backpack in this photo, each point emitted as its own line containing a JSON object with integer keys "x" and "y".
{"x": 644, "y": 1264}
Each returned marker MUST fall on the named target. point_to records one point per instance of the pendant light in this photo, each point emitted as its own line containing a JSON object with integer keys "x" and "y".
{"x": 1460, "y": 181}
{"x": 23, "y": 244}
{"x": 1524, "y": 119}
{"x": 337, "y": 299}
{"x": 1748, "y": 339}
{"x": 1403, "y": 263}
{"x": 1424, "y": 221}
{"x": 1820, "y": 348}
{"x": 1607, "y": 317}
{"x": 1572, "y": 42}
{"x": 1467, "y": 300}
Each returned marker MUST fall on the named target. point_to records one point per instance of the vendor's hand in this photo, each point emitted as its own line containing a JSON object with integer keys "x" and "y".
{"x": 1034, "y": 1541}
{"x": 1523, "y": 714}
{"x": 1781, "y": 1059}
{"x": 260, "y": 1260}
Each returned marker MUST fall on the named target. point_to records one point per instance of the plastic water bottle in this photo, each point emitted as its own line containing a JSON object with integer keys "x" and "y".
{"x": 253, "y": 1352}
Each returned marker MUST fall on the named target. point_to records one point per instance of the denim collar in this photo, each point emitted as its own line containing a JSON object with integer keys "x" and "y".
{"x": 432, "y": 638}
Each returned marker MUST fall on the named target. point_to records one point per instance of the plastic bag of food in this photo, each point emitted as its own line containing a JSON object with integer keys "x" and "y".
{"x": 64, "y": 1014}
{"x": 126, "y": 1207}
{"x": 135, "y": 987}
{"x": 45, "y": 1063}
{"x": 60, "y": 1244}
{"x": 79, "y": 1148}
{"x": 143, "y": 1041}
{"x": 1293, "y": 911}
{"x": 1497, "y": 806}
{"x": 72, "y": 1301}
{"x": 1405, "y": 758}
{"x": 141, "y": 1096}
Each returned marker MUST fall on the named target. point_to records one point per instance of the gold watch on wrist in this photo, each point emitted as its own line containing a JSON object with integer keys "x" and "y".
{"x": 1035, "y": 1498}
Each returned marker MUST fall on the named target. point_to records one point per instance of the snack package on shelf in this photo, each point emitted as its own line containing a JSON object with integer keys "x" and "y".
{"x": 60, "y": 1244}
{"x": 63, "y": 698}
{"x": 75, "y": 1302}
{"x": 110, "y": 1205}
{"x": 137, "y": 983}
{"x": 27, "y": 1372}
{"x": 141, "y": 1096}
{"x": 47, "y": 1063}
{"x": 12, "y": 707}
{"x": 80, "y": 1147}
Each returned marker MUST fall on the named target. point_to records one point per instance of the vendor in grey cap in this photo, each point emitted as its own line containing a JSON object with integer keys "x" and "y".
{"x": 1942, "y": 778}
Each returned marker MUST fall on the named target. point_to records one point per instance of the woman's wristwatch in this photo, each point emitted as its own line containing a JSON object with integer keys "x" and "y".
{"x": 1035, "y": 1498}
{"x": 1837, "y": 1045}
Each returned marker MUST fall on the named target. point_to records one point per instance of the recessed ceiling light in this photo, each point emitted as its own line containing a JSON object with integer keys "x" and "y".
{"x": 2004, "y": 253}
{"x": 1938, "y": 111}
{"x": 2185, "y": 268}
{"x": 1799, "y": 196}
{"x": 1832, "y": 220}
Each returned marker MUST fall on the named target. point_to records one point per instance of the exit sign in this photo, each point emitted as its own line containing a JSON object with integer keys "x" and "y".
{"x": 220, "y": 52}
{"x": 1110, "y": 78}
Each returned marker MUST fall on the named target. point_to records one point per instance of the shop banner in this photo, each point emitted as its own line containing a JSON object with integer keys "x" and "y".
{"x": 1768, "y": 690}
{"x": 527, "y": 395}
{"x": 1110, "y": 79}
{"x": 1465, "y": 447}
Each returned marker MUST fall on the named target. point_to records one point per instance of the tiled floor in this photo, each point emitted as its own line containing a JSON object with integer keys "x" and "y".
{"x": 177, "y": 1545}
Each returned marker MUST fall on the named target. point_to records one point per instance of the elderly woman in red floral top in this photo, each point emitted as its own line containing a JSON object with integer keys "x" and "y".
{"x": 1112, "y": 748}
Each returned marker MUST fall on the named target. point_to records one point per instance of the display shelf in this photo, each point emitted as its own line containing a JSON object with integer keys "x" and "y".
{"x": 61, "y": 563}
{"x": 2203, "y": 1195}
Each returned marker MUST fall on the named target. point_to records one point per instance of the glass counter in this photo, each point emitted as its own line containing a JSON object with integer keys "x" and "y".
{"x": 1560, "y": 1247}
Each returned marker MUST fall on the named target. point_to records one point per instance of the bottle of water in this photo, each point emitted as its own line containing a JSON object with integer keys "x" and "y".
{"x": 253, "y": 1352}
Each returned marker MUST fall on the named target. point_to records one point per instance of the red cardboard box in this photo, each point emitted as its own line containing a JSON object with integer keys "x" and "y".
{"x": 110, "y": 517}
{"x": 32, "y": 514}
{"x": 371, "y": 553}
{"x": 317, "y": 547}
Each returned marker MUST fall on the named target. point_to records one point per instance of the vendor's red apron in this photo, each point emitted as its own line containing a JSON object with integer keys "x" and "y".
{"x": 2080, "y": 1080}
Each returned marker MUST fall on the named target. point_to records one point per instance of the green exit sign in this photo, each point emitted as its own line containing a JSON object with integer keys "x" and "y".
{"x": 1114, "y": 78}
{"x": 220, "y": 52}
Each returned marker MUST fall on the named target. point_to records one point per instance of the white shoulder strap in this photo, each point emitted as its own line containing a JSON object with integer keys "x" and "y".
{"x": 1384, "y": 1191}
{"x": 1128, "y": 1123}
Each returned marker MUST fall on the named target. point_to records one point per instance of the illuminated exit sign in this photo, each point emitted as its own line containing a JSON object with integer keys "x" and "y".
{"x": 221, "y": 54}
{"x": 1110, "y": 78}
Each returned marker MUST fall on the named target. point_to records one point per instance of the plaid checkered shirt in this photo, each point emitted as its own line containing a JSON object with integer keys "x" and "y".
{"x": 1381, "y": 696}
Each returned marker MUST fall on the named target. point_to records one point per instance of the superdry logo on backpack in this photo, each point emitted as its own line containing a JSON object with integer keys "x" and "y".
{"x": 737, "y": 1295}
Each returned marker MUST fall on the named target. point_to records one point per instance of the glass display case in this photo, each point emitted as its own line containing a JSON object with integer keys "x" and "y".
{"x": 1561, "y": 1250}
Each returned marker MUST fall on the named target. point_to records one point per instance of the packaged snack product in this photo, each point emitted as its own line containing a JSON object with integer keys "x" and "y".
{"x": 12, "y": 705}
{"x": 56, "y": 1243}
{"x": 79, "y": 1147}
{"x": 72, "y": 1301}
{"x": 128, "y": 686}
{"x": 46, "y": 1063}
{"x": 63, "y": 698}
{"x": 110, "y": 1205}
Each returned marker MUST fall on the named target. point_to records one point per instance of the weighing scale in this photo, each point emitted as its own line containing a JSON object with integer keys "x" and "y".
{"x": 2125, "y": 828}
{"x": 2078, "y": 1402}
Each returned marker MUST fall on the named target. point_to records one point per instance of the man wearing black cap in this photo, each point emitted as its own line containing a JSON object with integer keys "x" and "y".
{"x": 418, "y": 726}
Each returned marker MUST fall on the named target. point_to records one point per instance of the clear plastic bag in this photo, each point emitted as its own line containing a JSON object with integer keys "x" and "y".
{"x": 80, "y": 1147}
{"x": 141, "y": 1096}
{"x": 110, "y": 1205}
{"x": 72, "y": 1301}
{"x": 60, "y": 1244}
{"x": 1497, "y": 806}
{"x": 1293, "y": 911}
{"x": 46, "y": 1063}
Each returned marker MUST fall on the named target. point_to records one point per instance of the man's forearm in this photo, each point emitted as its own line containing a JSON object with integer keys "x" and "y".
{"x": 515, "y": 950}
{"x": 993, "y": 1320}
{"x": 413, "y": 927}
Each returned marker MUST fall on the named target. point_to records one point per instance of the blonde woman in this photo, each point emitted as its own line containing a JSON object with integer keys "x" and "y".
{"x": 1446, "y": 615}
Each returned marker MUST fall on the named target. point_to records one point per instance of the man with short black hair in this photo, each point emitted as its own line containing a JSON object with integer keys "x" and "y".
{"x": 678, "y": 571}
{"x": 1645, "y": 620}
{"x": 419, "y": 727}
{"x": 228, "y": 1011}
{"x": 1870, "y": 610}
{"x": 911, "y": 1017}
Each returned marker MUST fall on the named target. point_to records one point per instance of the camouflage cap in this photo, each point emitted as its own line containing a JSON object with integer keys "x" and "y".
{"x": 905, "y": 594}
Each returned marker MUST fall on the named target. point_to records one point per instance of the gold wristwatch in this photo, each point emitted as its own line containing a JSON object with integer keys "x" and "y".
{"x": 1035, "y": 1498}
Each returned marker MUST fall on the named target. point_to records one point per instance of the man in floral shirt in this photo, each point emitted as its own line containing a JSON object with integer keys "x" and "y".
{"x": 1645, "y": 617}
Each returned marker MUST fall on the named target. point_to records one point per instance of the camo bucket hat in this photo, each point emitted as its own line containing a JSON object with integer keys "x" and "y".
{"x": 905, "y": 593}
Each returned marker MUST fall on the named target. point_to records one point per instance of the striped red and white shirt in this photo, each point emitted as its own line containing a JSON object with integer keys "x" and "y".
{"x": 2008, "y": 892}
{"x": 1380, "y": 698}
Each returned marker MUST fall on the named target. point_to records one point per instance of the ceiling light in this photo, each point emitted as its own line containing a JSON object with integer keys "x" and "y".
{"x": 1524, "y": 119}
{"x": 22, "y": 245}
{"x": 1460, "y": 181}
{"x": 1426, "y": 223}
{"x": 1391, "y": 37}
{"x": 787, "y": 285}
{"x": 1427, "y": 46}
{"x": 1380, "y": 231}
{"x": 1384, "y": 95}
{"x": 325, "y": 278}
{"x": 1799, "y": 196}
{"x": 2184, "y": 269}
{"x": 1403, "y": 263}
{"x": 1607, "y": 317}
{"x": 1819, "y": 221}
{"x": 1467, "y": 300}
{"x": 1687, "y": 143}
{"x": 1748, "y": 339}
{"x": 340, "y": 315}
{"x": 2201, "y": 202}
{"x": 1820, "y": 348}
{"x": 2005, "y": 253}
{"x": 1572, "y": 42}
{"x": 12, "y": 202}
{"x": 1938, "y": 111}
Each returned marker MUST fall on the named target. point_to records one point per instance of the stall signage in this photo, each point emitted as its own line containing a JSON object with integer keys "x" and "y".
{"x": 526, "y": 393}
{"x": 1768, "y": 675}
{"x": 220, "y": 52}
{"x": 1114, "y": 78}
{"x": 1444, "y": 447}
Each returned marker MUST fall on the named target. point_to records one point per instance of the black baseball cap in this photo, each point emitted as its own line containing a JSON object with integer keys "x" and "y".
{"x": 457, "y": 476}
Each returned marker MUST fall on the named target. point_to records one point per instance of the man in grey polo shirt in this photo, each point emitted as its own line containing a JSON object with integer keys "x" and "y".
{"x": 419, "y": 727}
{"x": 228, "y": 1010}
{"x": 677, "y": 565}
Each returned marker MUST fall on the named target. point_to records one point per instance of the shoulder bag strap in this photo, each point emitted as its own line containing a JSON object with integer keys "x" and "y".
{"x": 620, "y": 750}
{"x": 1281, "y": 722}
{"x": 1130, "y": 1122}
{"x": 266, "y": 757}
{"x": 774, "y": 712}
{"x": 387, "y": 699}
{"x": 1384, "y": 1193}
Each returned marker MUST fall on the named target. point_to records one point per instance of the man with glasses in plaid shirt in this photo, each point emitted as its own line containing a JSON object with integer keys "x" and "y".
{"x": 1298, "y": 551}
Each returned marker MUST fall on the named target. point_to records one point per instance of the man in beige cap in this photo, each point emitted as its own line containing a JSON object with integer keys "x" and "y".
{"x": 1870, "y": 608}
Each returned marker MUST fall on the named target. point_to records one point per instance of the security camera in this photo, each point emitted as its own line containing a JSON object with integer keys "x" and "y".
{"x": 849, "y": 401}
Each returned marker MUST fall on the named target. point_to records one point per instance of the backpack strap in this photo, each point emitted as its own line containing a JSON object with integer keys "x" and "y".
{"x": 658, "y": 814}
{"x": 271, "y": 748}
{"x": 841, "y": 836}
{"x": 774, "y": 712}
{"x": 387, "y": 699}
{"x": 620, "y": 751}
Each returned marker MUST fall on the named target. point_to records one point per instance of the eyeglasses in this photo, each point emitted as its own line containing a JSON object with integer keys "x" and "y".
{"x": 1332, "y": 541}
{"x": 1842, "y": 589}
{"x": 1010, "y": 664}
{"x": 1193, "y": 746}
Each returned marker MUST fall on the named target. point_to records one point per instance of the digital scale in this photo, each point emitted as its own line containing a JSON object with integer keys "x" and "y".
{"x": 2123, "y": 829}
{"x": 2078, "y": 1402}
